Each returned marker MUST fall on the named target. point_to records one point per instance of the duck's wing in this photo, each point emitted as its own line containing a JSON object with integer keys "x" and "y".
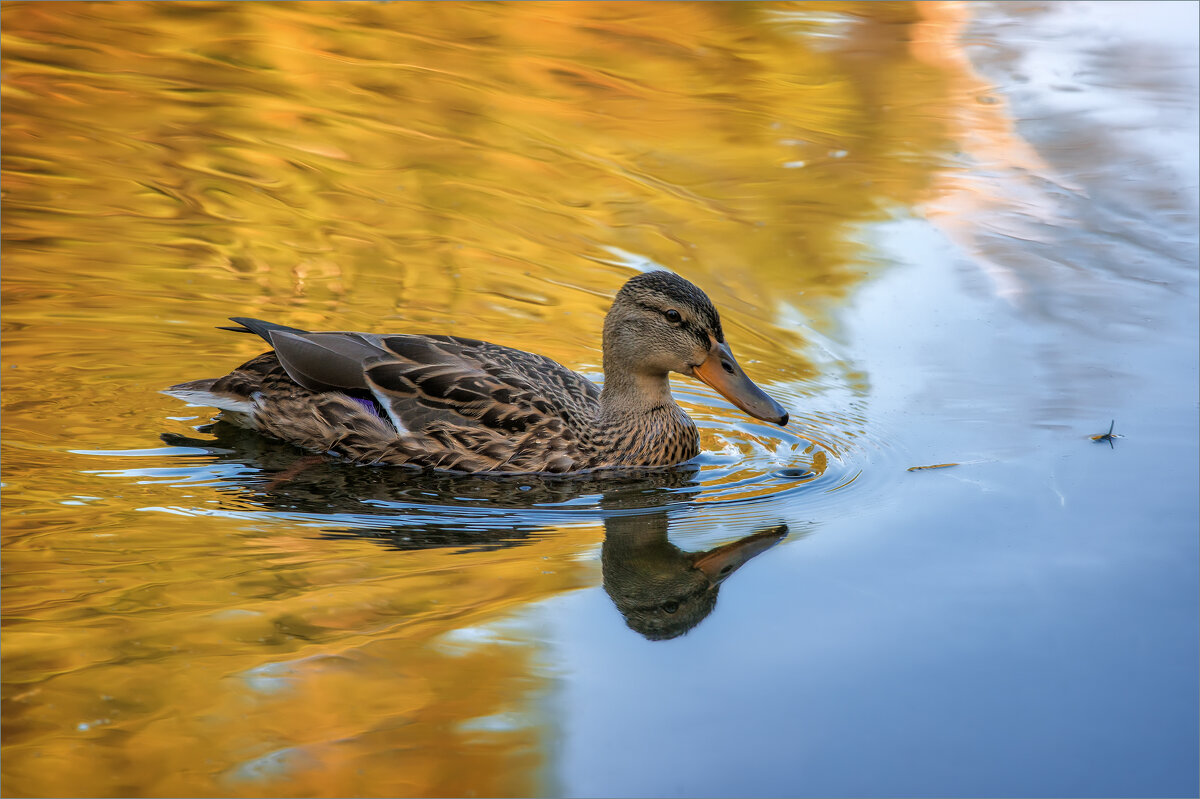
{"x": 569, "y": 393}
{"x": 425, "y": 383}
{"x": 436, "y": 401}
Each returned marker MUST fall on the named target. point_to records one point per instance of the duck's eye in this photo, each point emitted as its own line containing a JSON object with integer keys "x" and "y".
{"x": 670, "y": 606}
{"x": 673, "y": 316}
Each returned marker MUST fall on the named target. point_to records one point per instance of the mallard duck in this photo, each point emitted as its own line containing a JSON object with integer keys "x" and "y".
{"x": 458, "y": 404}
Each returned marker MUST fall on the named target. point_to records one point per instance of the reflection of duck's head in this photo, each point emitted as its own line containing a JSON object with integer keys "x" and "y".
{"x": 661, "y": 590}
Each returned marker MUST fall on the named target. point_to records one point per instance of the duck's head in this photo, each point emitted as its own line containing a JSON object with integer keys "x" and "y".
{"x": 661, "y": 323}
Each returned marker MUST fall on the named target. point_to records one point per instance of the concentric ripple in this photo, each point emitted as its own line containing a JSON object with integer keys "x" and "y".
{"x": 748, "y": 472}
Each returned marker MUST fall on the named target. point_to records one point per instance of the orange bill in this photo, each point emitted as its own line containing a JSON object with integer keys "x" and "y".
{"x": 721, "y": 371}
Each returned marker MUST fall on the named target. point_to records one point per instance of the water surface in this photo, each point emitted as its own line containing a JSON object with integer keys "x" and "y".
{"x": 938, "y": 234}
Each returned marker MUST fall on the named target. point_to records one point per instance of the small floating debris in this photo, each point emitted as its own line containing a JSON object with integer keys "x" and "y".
{"x": 934, "y": 466}
{"x": 1109, "y": 436}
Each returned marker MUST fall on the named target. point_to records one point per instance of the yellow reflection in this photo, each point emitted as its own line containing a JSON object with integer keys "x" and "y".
{"x": 290, "y": 667}
{"x": 492, "y": 170}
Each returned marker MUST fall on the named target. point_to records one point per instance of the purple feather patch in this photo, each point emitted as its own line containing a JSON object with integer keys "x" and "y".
{"x": 372, "y": 407}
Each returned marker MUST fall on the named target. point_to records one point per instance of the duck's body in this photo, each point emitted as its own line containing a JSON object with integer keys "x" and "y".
{"x": 458, "y": 404}
{"x": 451, "y": 403}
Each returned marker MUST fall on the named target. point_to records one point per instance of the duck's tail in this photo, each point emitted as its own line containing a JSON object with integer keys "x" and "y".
{"x": 200, "y": 392}
{"x": 258, "y": 327}
{"x": 221, "y": 392}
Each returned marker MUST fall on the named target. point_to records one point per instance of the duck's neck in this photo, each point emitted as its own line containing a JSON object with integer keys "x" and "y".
{"x": 630, "y": 394}
{"x": 639, "y": 423}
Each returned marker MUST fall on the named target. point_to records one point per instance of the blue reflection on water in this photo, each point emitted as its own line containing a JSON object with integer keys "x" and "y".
{"x": 1027, "y": 623}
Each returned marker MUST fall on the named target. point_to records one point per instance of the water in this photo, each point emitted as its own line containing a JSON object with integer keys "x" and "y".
{"x": 937, "y": 234}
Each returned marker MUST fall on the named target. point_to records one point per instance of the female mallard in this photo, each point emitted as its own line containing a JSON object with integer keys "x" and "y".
{"x": 445, "y": 402}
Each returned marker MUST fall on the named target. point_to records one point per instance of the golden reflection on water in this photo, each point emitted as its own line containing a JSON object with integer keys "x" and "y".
{"x": 485, "y": 169}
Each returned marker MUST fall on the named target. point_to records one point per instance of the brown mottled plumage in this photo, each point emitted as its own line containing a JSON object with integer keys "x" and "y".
{"x": 458, "y": 404}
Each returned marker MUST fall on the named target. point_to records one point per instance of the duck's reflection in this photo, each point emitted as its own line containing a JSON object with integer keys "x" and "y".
{"x": 279, "y": 477}
{"x": 662, "y": 591}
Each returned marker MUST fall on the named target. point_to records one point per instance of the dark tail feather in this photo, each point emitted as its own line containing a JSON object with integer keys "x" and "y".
{"x": 258, "y": 327}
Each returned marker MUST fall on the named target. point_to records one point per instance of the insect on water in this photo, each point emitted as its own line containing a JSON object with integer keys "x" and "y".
{"x": 1109, "y": 436}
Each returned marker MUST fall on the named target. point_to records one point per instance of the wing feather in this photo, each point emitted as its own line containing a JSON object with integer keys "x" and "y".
{"x": 444, "y": 402}
{"x": 324, "y": 361}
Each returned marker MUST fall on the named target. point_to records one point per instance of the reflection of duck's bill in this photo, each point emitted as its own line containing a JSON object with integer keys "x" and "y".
{"x": 721, "y": 371}
{"x": 719, "y": 563}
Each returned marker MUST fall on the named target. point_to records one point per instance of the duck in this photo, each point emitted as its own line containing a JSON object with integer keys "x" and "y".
{"x": 449, "y": 403}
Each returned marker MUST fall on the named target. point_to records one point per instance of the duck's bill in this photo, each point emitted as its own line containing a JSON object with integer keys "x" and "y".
{"x": 721, "y": 371}
{"x": 719, "y": 563}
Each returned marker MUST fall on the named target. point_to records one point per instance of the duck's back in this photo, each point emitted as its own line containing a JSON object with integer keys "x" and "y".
{"x": 567, "y": 392}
